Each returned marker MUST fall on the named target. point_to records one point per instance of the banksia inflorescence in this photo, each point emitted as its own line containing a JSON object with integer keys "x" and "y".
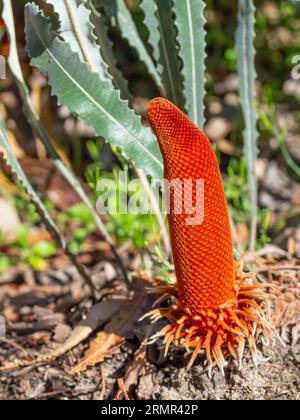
{"x": 215, "y": 306}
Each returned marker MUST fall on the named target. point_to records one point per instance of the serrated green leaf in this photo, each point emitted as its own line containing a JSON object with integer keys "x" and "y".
{"x": 91, "y": 99}
{"x": 129, "y": 31}
{"x": 170, "y": 68}
{"x": 149, "y": 9}
{"x": 13, "y": 166}
{"x": 190, "y": 21}
{"x": 121, "y": 15}
{"x": 101, "y": 30}
{"x": 244, "y": 41}
{"x": 5, "y": 263}
{"x": 77, "y": 29}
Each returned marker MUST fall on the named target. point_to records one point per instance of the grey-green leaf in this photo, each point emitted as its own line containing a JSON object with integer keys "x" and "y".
{"x": 101, "y": 30}
{"x": 190, "y": 23}
{"x": 170, "y": 68}
{"x": 245, "y": 35}
{"x": 149, "y": 9}
{"x": 91, "y": 99}
{"x": 77, "y": 29}
{"x": 125, "y": 23}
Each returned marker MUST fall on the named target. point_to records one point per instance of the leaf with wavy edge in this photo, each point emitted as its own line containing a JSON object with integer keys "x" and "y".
{"x": 149, "y": 9}
{"x": 93, "y": 100}
{"x": 245, "y": 35}
{"x": 170, "y": 66}
{"x": 121, "y": 15}
{"x": 101, "y": 30}
{"x": 77, "y": 29}
{"x": 190, "y": 22}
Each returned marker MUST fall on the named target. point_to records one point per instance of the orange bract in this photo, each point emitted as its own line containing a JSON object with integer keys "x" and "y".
{"x": 212, "y": 307}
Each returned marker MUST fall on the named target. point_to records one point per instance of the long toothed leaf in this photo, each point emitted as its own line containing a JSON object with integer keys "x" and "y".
{"x": 122, "y": 17}
{"x": 101, "y": 29}
{"x": 170, "y": 63}
{"x": 245, "y": 35}
{"x": 149, "y": 9}
{"x": 91, "y": 99}
{"x": 77, "y": 29}
{"x": 14, "y": 64}
{"x": 190, "y": 22}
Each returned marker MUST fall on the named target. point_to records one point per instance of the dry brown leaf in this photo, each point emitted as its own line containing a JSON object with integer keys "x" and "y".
{"x": 105, "y": 345}
{"x": 120, "y": 327}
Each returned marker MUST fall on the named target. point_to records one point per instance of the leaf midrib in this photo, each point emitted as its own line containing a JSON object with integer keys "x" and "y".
{"x": 77, "y": 33}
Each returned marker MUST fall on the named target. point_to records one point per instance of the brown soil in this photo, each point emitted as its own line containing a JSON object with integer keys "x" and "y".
{"x": 275, "y": 378}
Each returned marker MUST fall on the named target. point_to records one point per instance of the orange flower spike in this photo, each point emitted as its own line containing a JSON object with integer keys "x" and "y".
{"x": 214, "y": 317}
{"x": 203, "y": 254}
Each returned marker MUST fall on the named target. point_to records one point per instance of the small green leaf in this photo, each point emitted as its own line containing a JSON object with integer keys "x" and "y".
{"x": 5, "y": 263}
{"x": 22, "y": 237}
{"x": 33, "y": 119}
{"x": 43, "y": 249}
{"x": 101, "y": 29}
